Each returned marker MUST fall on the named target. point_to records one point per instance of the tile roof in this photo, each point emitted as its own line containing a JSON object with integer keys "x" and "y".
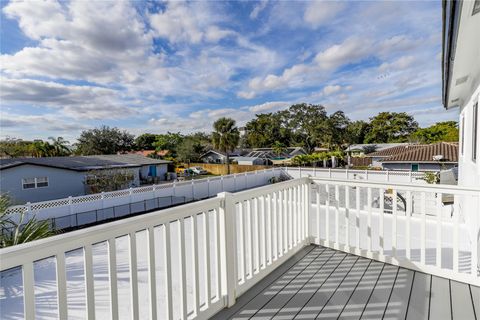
{"x": 393, "y": 151}
{"x": 83, "y": 163}
{"x": 425, "y": 153}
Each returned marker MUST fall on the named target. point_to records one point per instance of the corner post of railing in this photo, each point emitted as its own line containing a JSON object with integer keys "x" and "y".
{"x": 410, "y": 176}
{"x": 130, "y": 192}
{"x": 388, "y": 176}
{"x": 329, "y": 172}
{"x": 229, "y": 247}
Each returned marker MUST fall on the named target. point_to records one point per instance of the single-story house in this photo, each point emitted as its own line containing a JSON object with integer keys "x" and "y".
{"x": 432, "y": 157}
{"x": 377, "y": 156}
{"x": 40, "y": 179}
{"x": 269, "y": 153}
{"x": 245, "y": 161}
{"x": 365, "y": 148}
{"x": 217, "y": 156}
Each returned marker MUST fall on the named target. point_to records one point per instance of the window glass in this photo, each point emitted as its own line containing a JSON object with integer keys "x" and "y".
{"x": 463, "y": 135}
{"x": 28, "y": 183}
{"x": 475, "y": 132}
{"x": 42, "y": 182}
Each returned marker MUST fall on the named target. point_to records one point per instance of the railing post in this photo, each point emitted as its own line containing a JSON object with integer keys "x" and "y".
{"x": 102, "y": 195}
{"x": 388, "y": 175}
{"x": 70, "y": 204}
{"x": 229, "y": 235}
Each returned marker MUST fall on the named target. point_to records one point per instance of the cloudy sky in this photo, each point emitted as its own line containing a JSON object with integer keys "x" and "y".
{"x": 177, "y": 66}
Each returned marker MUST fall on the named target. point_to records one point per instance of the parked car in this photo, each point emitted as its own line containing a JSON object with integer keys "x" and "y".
{"x": 198, "y": 170}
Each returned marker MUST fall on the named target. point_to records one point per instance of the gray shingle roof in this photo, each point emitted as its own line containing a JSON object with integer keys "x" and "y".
{"x": 84, "y": 163}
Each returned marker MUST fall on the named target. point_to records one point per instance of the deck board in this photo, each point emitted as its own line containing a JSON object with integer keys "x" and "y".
{"x": 324, "y": 283}
{"x": 440, "y": 307}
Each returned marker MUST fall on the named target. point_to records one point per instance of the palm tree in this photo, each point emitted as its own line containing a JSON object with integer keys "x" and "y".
{"x": 12, "y": 233}
{"x": 59, "y": 146}
{"x": 41, "y": 149}
{"x": 278, "y": 148}
{"x": 225, "y": 137}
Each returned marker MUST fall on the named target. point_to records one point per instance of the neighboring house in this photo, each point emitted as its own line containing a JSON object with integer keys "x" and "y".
{"x": 432, "y": 157}
{"x": 379, "y": 155}
{"x": 39, "y": 179}
{"x": 217, "y": 156}
{"x": 359, "y": 149}
{"x": 150, "y": 153}
{"x": 249, "y": 161}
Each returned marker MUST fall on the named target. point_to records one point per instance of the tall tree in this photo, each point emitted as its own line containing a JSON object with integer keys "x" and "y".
{"x": 391, "y": 127}
{"x": 42, "y": 148}
{"x": 440, "y": 131}
{"x": 169, "y": 141}
{"x": 337, "y": 129}
{"x": 104, "y": 140}
{"x": 225, "y": 137}
{"x": 356, "y": 132}
{"x": 60, "y": 146}
{"x": 145, "y": 141}
{"x": 309, "y": 124}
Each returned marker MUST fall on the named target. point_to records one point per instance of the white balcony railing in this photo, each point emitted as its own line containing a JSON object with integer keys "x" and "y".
{"x": 193, "y": 260}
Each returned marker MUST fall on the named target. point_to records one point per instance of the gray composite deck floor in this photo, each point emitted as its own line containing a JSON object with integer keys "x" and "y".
{"x": 321, "y": 283}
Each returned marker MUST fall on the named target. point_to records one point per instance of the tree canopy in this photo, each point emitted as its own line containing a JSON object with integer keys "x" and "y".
{"x": 225, "y": 136}
{"x": 440, "y": 131}
{"x": 390, "y": 127}
{"x": 104, "y": 140}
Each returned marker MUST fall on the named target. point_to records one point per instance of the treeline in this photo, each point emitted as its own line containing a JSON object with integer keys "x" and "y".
{"x": 303, "y": 125}
{"x": 310, "y": 126}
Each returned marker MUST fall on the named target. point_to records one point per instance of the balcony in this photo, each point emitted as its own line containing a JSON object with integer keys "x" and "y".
{"x": 309, "y": 247}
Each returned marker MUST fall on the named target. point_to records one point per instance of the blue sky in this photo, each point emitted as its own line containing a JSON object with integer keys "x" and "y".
{"x": 178, "y": 66}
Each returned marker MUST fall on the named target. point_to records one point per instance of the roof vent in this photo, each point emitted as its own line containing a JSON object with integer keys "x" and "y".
{"x": 461, "y": 80}
{"x": 438, "y": 157}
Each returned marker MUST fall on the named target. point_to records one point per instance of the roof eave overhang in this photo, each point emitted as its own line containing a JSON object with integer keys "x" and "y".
{"x": 450, "y": 21}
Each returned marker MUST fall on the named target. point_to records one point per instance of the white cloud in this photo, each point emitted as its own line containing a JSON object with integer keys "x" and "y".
{"x": 258, "y": 8}
{"x": 331, "y": 89}
{"x": 351, "y": 50}
{"x": 188, "y": 22}
{"x": 320, "y": 12}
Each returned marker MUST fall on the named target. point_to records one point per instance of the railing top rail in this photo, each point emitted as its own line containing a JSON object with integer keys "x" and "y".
{"x": 43, "y": 248}
{"x": 413, "y": 187}
{"x": 252, "y": 193}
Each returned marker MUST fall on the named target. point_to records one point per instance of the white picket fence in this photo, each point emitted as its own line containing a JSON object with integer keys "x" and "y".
{"x": 193, "y": 260}
{"x": 364, "y": 175}
{"x": 189, "y": 190}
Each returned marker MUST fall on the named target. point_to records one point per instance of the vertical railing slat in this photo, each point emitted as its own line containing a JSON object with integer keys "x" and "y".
{"x": 89, "y": 286}
{"x": 112, "y": 265}
{"x": 357, "y": 217}
{"x": 456, "y": 225}
{"x": 152, "y": 279}
{"x": 256, "y": 215}
{"x": 168, "y": 269}
{"x": 327, "y": 215}
{"x": 317, "y": 194}
{"x": 241, "y": 241}
{"x": 61, "y": 286}
{"x": 381, "y": 231}
{"x": 134, "y": 275}
{"x": 369, "y": 219}
{"x": 264, "y": 232}
{"x": 28, "y": 290}
{"x": 347, "y": 217}
{"x": 195, "y": 256}
{"x": 218, "y": 241}
{"x": 250, "y": 238}
{"x": 206, "y": 231}
{"x": 337, "y": 213}
{"x": 408, "y": 219}
{"x": 275, "y": 226}
{"x": 281, "y": 222}
{"x": 438, "y": 209}
{"x": 183, "y": 271}
{"x": 423, "y": 239}
{"x": 394, "y": 223}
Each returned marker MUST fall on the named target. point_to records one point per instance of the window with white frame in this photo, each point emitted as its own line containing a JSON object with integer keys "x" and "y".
{"x": 32, "y": 183}
{"x": 475, "y": 131}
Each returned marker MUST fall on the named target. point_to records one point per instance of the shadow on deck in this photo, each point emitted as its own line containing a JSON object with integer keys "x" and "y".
{"x": 321, "y": 283}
